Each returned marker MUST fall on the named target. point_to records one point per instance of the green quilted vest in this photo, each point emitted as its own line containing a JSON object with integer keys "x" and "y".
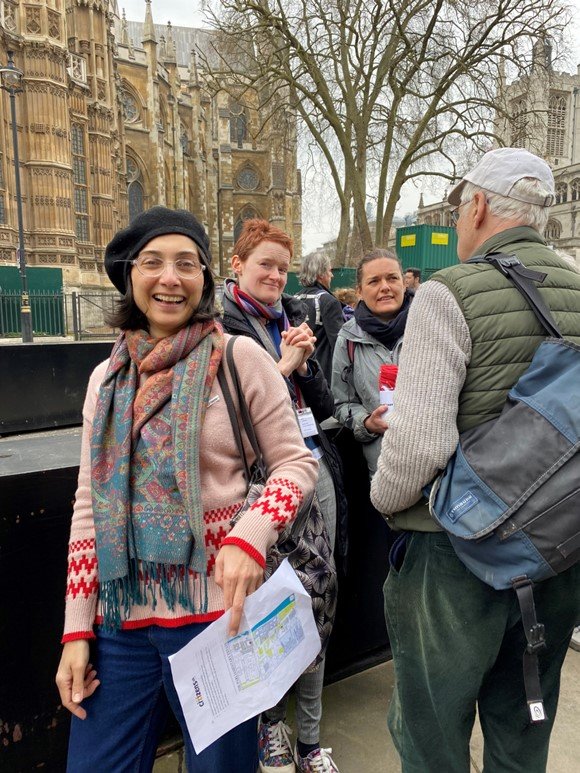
{"x": 504, "y": 332}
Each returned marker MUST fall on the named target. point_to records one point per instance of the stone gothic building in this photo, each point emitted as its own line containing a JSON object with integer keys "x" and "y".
{"x": 116, "y": 116}
{"x": 544, "y": 117}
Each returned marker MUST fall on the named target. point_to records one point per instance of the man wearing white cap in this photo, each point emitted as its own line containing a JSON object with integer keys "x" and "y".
{"x": 456, "y": 642}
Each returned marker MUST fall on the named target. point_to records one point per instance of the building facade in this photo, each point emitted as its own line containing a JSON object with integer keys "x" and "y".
{"x": 116, "y": 116}
{"x": 543, "y": 116}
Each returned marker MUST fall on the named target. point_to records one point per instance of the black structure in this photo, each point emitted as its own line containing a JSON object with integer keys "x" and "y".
{"x": 43, "y": 385}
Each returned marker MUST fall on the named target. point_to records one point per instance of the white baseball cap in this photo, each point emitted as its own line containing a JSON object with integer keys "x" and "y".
{"x": 499, "y": 170}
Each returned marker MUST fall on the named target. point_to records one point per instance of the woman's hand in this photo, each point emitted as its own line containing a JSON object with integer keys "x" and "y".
{"x": 374, "y": 422}
{"x": 238, "y": 575}
{"x": 296, "y": 347}
{"x": 76, "y": 678}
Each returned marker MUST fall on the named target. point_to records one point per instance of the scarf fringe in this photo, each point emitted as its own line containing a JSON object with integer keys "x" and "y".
{"x": 145, "y": 580}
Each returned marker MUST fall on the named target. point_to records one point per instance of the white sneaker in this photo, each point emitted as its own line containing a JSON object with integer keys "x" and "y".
{"x": 318, "y": 761}
{"x": 575, "y": 640}
{"x": 274, "y": 748}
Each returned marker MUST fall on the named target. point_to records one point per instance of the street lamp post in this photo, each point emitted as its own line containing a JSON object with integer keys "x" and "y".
{"x": 11, "y": 80}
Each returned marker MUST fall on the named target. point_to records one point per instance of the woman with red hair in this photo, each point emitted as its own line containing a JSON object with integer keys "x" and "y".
{"x": 255, "y": 306}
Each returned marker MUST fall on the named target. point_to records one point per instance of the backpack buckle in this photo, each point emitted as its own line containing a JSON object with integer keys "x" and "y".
{"x": 536, "y": 639}
{"x": 505, "y": 262}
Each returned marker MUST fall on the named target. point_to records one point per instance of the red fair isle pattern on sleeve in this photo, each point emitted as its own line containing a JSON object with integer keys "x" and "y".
{"x": 279, "y": 501}
{"x": 82, "y": 579}
{"x": 217, "y": 526}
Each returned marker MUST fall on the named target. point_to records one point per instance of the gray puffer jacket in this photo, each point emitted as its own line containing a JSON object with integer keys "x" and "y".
{"x": 355, "y": 386}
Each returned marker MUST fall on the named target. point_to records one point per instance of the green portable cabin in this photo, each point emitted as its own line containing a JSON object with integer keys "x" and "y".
{"x": 45, "y": 287}
{"x": 428, "y": 247}
{"x": 342, "y": 277}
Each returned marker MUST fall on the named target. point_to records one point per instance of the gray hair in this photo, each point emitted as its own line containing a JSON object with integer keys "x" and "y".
{"x": 313, "y": 266}
{"x": 512, "y": 209}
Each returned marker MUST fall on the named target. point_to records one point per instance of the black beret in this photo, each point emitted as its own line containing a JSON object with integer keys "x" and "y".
{"x": 156, "y": 221}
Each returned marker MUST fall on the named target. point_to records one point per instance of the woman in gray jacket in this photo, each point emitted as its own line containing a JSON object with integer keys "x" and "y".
{"x": 371, "y": 339}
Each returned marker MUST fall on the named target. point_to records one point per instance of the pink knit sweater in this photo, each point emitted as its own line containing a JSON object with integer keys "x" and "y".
{"x": 292, "y": 476}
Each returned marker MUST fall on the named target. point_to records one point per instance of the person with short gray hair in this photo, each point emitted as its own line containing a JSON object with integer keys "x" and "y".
{"x": 457, "y": 643}
{"x": 324, "y": 310}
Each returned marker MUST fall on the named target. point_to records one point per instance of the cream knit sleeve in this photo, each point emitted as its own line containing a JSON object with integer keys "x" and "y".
{"x": 82, "y": 574}
{"x": 423, "y": 434}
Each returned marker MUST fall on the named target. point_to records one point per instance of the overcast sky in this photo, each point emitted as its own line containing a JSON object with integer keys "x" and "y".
{"x": 318, "y": 226}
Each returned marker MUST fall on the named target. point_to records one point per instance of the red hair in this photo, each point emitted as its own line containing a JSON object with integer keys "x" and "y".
{"x": 254, "y": 232}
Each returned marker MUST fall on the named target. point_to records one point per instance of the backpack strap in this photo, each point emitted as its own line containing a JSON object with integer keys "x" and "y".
{"x": 523, "y": 278}
{"x": 350, "y": 350}
{"x": 316, "y": 298}
{"x": 536, "y": 642}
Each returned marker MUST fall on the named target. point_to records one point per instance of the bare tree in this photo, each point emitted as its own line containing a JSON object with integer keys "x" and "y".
{"x": 389, "y": 89}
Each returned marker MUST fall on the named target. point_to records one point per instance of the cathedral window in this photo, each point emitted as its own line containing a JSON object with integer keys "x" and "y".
{"x": 561, "y": 193}
{"x": 248, "y": 178}
{"x": 556, "y": 125}
{"x": 238, "y": 124}
{"x": 553, "y": 231}
{"x": 8, "y": 16}
{"x": 518, "y": 123}
{"x": 247, "y": 212}
{"x": 575, "y": 189}
{"x": 135, "y": 193}
{"x": 80, "y": 198}
{"x": 185, "y": 143}
{"x": 130, "y": 107}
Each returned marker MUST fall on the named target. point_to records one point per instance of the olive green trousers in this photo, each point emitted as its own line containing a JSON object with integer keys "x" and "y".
{"x": 457, "y": 644}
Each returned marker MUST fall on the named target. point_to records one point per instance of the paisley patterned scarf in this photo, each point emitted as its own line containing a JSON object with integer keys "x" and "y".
{"x": 180, "y": 368}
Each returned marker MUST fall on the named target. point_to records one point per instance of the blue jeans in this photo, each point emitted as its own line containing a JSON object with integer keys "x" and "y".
{"x": 127, "y": 712}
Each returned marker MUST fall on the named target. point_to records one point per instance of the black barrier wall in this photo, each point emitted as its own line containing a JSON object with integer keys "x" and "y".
{"x": 43, "y": 385}
{"x": 36, "y": 494}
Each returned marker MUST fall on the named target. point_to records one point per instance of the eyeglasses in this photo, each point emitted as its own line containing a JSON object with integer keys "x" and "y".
{"x": 454, "y": 213}
{"x": 153, "y": 267}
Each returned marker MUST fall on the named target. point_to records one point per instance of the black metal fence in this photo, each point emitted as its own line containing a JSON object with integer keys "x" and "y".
{"x": 81, "y": 315}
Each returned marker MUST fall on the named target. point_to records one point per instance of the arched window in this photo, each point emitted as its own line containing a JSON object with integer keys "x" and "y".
{"x": 561, "y": 193}
{"x": 553, "y": 231}
{"x": 238, "y": 123}
{"x": 135, "y": 192}
{"x": 162, "y": 117}
{"x": 556, "y": 125}
{"x": 130, "y": 105}
{"x": 519, "y": 123}
{"x": 575, "y": 189}
{"x": 247, "y": 212}
{"x": 136, "y": 199}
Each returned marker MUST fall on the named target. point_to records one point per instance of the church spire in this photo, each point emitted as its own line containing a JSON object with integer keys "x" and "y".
{"x": 124, "y": 30}
{"x": 193, "y": 74}
{"x": 148, "y": 28}
{"x": 171, "y": 55}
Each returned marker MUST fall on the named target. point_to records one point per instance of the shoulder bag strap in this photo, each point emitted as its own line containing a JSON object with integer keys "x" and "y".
{"x": 227, "y": 395}
{"x": 523, "y": 278}
{"x": 244, "y": 411}
{"x": 304, "y": 511}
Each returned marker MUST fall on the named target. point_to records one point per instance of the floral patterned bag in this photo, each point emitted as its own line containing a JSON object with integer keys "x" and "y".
{"x": 304, "y": 542}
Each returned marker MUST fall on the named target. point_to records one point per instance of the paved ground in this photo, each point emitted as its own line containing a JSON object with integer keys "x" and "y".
{"x": 354, "y": 725}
